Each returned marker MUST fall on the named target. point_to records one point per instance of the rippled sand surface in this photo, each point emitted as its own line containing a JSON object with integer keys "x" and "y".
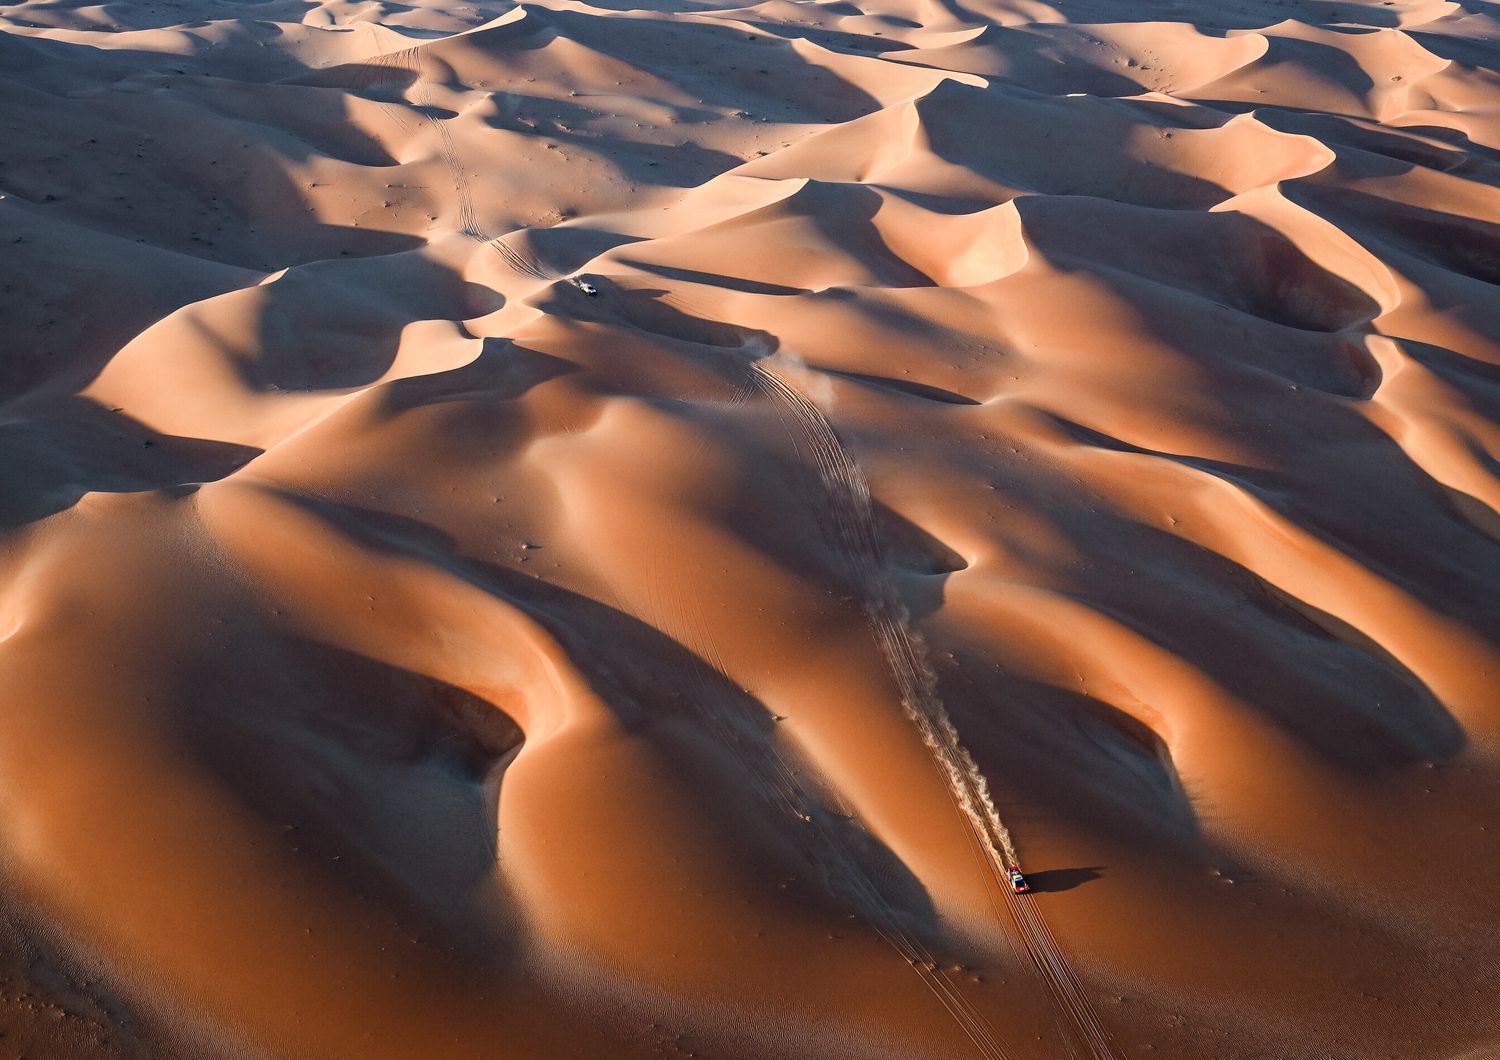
{"x": 577, "y": 529}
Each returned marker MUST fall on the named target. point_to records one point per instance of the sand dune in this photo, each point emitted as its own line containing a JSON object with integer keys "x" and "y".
{"x": 597, "y": 529}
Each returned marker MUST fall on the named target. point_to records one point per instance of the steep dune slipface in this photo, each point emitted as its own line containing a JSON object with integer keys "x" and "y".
{"x": 597, "y": 529}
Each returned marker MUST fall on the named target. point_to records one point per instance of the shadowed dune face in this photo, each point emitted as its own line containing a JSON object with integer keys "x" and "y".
{"x": 603, "y": 529}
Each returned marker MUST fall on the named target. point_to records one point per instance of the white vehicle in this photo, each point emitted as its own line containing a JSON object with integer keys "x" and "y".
{"x": 586, "y": 287}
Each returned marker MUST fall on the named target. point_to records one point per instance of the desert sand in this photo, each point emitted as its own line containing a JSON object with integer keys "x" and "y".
{"x": 589, "y": 530}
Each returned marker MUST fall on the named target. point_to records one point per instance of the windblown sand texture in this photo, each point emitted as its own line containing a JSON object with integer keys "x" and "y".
{"x": 1056, "y": 431}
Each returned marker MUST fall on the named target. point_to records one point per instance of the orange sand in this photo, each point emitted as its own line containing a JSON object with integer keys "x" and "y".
{"x": 1064, "y": 426}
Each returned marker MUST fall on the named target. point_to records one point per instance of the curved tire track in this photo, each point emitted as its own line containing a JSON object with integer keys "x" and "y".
{"x": 854, "y": 523}
{"x": 779, "y": 781}
{"x": 385, "y": 71}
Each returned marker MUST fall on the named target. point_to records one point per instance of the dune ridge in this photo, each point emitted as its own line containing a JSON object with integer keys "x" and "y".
{"x": 577, "y": 528}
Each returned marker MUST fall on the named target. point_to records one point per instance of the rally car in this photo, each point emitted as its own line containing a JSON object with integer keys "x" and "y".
{"x": 1017, "y": 881}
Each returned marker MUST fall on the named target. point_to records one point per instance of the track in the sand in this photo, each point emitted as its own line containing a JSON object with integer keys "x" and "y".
{"x": 389, "y": 70}
{"x": 854, "y": 521}
{"x": 859, "y": 541}
{"x": 791, "y": 794}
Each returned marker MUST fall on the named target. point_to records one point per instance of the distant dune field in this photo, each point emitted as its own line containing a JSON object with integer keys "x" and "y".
{"x": 588, "y": 530}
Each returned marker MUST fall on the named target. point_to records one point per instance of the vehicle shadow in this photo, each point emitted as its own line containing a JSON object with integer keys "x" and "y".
{"x": 1052, "y": 880}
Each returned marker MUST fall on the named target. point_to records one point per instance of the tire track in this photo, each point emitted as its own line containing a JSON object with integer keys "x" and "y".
{"x": 517, "y": 261}
{"x": 819, "y": 839}
{"x": 390, "y": 70}
{"x": 1061, "y": 981}
{"x": 390, "y": 77}
{"x": 854, "y": 523}
{"x": 393, "y": 70}
{"x": 468, "y": 220}
{"x": 380, "y": 72}
{"x": 823, "y": 844}
{"x": 386, "y": 71}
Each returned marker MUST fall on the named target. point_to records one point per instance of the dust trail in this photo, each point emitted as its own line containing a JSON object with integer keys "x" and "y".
{"x": 823, "y": 843}
{"x": 854, "y": 523}
{"x": 819, "y": 834}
